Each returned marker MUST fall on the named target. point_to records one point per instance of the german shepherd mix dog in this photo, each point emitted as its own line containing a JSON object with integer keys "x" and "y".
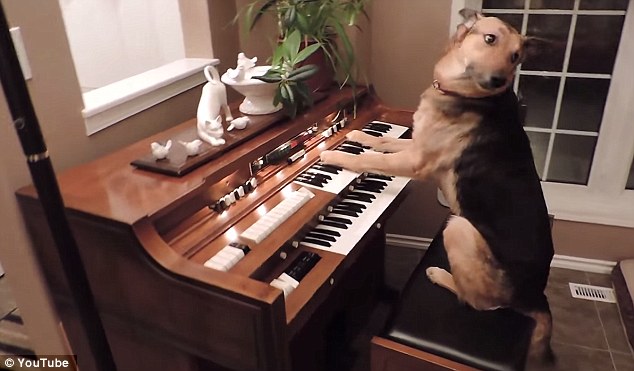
{"x": 467, "y": 136}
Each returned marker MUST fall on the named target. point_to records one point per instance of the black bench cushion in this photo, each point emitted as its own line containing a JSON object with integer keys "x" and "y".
{"x": 430, "y": 318}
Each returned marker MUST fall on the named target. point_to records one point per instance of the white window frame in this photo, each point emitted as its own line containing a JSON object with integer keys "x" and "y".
{"x": 106, "y": 106}
{"x": 604, "y": 200}
{"x": 110, "y": 104}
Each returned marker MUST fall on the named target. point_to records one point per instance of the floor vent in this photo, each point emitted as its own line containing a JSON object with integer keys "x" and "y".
{"x": 589, "y": 292}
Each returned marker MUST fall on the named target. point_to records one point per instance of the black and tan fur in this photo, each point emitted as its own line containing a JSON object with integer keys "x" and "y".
{"x": 468, "y": 137}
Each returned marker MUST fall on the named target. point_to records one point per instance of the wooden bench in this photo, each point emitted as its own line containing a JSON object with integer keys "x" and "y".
{"x": 430, "y": 329}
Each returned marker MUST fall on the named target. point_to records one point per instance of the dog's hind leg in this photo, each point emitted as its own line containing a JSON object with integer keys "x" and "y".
{"x": 540, "y": 349}
{"x": 441, "y": 278}
{"x": 475, "y": 276}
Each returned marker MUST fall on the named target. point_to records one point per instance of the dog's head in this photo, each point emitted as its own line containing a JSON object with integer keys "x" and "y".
{"x": 485, "y": 52}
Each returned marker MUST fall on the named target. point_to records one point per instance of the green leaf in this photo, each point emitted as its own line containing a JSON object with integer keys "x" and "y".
{"x": 306, "y": 52}
{"x": 302, "y": 73}
{"x": 291, "y": 43}
{"x": 288, "y": 91}
{"x": 272, "y": 75}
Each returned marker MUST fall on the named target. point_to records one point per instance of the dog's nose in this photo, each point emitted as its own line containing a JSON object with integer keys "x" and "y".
{"x": 497, "y": 81}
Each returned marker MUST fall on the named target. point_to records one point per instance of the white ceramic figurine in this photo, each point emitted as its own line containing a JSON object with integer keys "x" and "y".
{"x": 212, "y": 101}
{"x": 192, "y": 148}
{"x": 160, "y": 151}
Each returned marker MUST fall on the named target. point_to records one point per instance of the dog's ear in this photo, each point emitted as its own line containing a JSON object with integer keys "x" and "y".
{"x": 470, "y": 17}
{"x": 532, "y": 46}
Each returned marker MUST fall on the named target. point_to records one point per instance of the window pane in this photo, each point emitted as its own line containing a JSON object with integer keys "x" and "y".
{"x": 583, "y": 103}
{"x": 539, "y": 93}
{"x": 595, "y": 44}
{"x": 552, "y": 4}
{"x": 539, "y": 145}
{"x": 603, "y": 4}
{"x": 502, "y": 4}
{"x": 553, "y": 28}
{"x": 630, "y": 179}
{"x": 515, "y": 20}
{"x": 571, "y": 159}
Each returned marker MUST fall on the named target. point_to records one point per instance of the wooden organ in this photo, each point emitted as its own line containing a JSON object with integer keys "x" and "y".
{"x": 239, "y": 259}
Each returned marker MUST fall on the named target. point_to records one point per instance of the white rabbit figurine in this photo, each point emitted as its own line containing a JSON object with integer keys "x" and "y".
{"x": 160, "y": 151}
{"x": 212, "y": 101}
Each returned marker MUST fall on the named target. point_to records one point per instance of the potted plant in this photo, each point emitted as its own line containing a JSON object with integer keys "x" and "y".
{"x": 321, "y": 28}
{"x": 292, "y": 90}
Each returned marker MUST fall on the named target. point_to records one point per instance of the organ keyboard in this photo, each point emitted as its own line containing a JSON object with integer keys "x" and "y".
{"x": 241, "y": 261}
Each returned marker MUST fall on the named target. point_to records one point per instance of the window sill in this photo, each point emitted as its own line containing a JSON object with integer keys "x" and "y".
{"x": 578, "y": 204}
{"x": 112, "y": 103}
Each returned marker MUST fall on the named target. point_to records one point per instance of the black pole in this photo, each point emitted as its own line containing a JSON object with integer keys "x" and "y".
{"x": 44, "y": 180}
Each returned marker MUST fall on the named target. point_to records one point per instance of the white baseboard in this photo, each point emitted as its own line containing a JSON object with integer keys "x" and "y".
{"x": 559, "y": 261}
{"x": 582, "y": 264}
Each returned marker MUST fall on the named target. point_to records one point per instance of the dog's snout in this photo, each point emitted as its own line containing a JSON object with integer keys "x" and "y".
{"x": 497, "y": 81}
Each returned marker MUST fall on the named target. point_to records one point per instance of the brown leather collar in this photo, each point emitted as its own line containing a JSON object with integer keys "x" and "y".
{"x": 436, "y": 85}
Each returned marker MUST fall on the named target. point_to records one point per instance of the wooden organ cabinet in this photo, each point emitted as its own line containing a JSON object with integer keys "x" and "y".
{"x": 240, "y": 257}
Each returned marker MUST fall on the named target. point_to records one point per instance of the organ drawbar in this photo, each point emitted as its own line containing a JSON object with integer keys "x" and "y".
{"x": 240, "y": 257}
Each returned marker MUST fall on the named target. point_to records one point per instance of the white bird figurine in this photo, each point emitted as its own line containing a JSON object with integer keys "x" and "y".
{"x": 239, "y": 123}
{"x": 192, "y": 148}
{"x": 160, "y": 151}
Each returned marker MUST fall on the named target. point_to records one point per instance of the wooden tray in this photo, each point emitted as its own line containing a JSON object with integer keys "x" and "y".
{"x": 177, "y": 163}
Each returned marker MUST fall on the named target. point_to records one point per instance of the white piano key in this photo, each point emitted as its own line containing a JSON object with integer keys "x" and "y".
{"x": 261, "y": 229}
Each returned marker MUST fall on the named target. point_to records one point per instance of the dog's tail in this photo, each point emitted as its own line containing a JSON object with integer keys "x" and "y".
{"x": 540, "y": 349}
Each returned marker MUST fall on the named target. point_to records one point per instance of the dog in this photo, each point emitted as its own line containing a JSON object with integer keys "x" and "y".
{"x": 467, "y": 136}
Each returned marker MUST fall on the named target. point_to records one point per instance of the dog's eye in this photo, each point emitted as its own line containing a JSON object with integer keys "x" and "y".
{"x": 515, "y": 57}
{"x": 490, "y": 39}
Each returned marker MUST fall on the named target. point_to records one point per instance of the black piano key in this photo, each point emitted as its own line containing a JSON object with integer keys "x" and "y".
{"x": 353, "y": 205}
{"x": 330, "y": 166}
{"x": 320, "y": 236}
{"x": 368, "y": 189}
{"x": 374, "y": 182}
{"x": 349, "y": 150}
{"x": 372, "y": 132}
{"x": 318, "y": 175}
{"x": 379, "y": 176}
{"x": 337, "y": 220}
{"x": 345, "y": 212}
{"x": 313, "y": 182}
{"x": 317, "y": 242}
{"x": 310, "y": 177}
{"x": 380, "y": 124}
{"x": 358, "y": 197}
{"x": 334, "y": 224}
{"x": 380, "y": 128}
{"x": 327, "y": 169}
{"x": 346, "y": 207}
{"x": 361, "y": 194}
{"x": 327, "y": 231}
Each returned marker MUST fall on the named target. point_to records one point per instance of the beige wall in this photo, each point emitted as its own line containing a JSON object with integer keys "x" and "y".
{"x": 398, "y": 49}
{"x": 57, "y": 99}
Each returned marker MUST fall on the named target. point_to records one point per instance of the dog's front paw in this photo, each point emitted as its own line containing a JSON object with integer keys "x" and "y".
{"x": 436, "y": 275}
{"x": 333, "y": 158}
{"x": 361, "y": 137}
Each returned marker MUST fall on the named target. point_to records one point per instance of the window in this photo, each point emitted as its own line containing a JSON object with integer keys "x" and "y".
{"x": 580, "y": 99}
{"x": 129, "y": 55}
